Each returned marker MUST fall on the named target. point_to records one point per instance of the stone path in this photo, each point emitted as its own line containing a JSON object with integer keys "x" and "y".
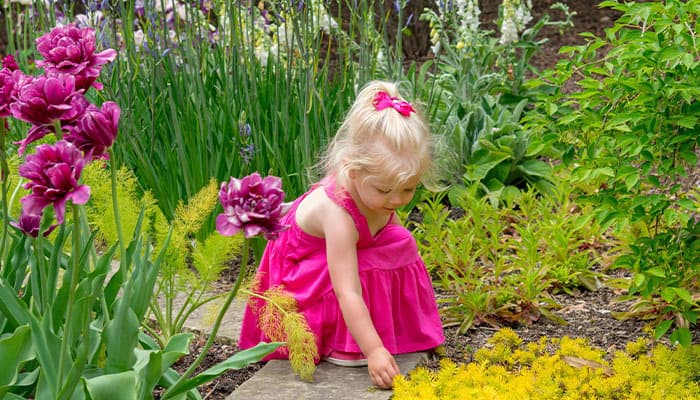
{"x": 276, "y": 379}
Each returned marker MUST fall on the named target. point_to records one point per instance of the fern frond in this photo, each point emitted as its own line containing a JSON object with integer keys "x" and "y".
{"x": 193, "y": 215}
{"x": 210, "y": 258}
{"x": 14, "y": 186}
{"x": 302, "y": 345}
{"x": 281, "y": 321}
{"x": 100, "y": 210}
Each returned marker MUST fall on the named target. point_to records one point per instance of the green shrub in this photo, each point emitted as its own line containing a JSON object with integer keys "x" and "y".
{"x": 477, "y": 108}
{"x": 629, "y": 129}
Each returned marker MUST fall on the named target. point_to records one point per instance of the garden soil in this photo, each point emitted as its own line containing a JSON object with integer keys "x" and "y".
{"x": 588, "y": 314}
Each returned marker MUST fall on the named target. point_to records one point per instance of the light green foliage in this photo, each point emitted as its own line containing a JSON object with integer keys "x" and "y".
{"x": 629, "y": 131}
{"x": 190, "y": 266}
{"x": 100, "y": 211}
{"x": 13, "y": 185}
{"x": 503, "y": 264}
{"x": 555, "y": 368}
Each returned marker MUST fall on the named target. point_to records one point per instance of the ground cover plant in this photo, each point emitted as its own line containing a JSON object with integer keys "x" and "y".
{"x": 558, "y": 368}
{"x": 574, "y": 179}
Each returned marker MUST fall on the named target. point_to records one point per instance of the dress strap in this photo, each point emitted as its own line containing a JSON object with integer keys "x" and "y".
{"x": 341, "y": 197}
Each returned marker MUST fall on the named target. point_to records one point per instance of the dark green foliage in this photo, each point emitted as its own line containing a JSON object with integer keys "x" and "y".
{"x": 482, "y": 100}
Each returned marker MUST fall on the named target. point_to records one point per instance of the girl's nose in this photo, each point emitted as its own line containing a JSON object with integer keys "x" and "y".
{"x": 398, "y": 199}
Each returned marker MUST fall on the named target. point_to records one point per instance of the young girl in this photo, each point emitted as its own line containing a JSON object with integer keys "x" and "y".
{"x": 354, "y": 271}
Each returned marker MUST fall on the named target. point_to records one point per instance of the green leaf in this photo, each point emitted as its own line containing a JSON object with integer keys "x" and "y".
{"x": 121, "y": 386}
{"x": 668, "y": 295}
{"x": 631, "y": 181}
{"x": 662, "y": 328}
{"x": 687, "y": 204}
{"x": 237, "y": 361}
{"x": 671, "y": 54}
{"x": 11, "y": 307}
{"x": 178, "y": 346}
{"x": 581, "y": 221}
{"x": 15, "y": 350}
{"x": 687, "y": 121}
{"x": 682, "y": 336}
{"x": 12, "y": 396}
{"x": 151, "y": 366}
{"x": 121, "y": 336}
{"x": 481, "y": 163}
{"x": 683, "y": 294}
{"x": 536, "y": 168}
{"x": 656, "y": 271}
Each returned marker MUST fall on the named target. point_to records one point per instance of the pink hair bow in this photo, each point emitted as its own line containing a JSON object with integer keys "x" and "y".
{"x": 382, "y": 100}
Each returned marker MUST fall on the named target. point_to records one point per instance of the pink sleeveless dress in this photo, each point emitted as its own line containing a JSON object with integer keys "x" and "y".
{"x": 395, "y": 285}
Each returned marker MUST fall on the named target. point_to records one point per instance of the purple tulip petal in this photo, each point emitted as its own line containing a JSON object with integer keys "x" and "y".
{"x": 224, "y": 227}
{"x": 95, "y": 132}
{"x": 53, "y": 172}
{"x": 71, "y": 50}
{"x": 252, "y": 205}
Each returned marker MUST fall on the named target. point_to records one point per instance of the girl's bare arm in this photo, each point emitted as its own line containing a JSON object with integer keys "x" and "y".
{"x": 341, "y": 241}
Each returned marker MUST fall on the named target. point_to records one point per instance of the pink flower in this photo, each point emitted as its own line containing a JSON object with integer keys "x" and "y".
{"x": 9, "y": 62}
{"x": 253, "y": 205}
{"x": 53, "y": 173}
{"x": 71, "y": 50}
{"x": 95, "y": 131}
{"x": 30, "y": 224}
{"x": 43, "y": 101}
{"x": 9, "y": 80}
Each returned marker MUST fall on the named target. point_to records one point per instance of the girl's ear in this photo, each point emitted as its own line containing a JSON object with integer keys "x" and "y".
{"x": 352, "y": 172}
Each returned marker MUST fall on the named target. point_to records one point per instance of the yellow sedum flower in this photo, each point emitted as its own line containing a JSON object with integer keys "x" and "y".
{"x": 561, "y": 369}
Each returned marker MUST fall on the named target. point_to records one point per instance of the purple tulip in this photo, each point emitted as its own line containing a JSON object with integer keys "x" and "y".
{"x": 71, "y": 50}
{"x": 9, "y": 80}
{"x": 9, "y": 62}
{"x": 53, "y": 173}
{"x": 253, "y": 205}
{"x": 30, "y": 224}
{"x": 95, "y": 131}
{"x": 43, "y": 101}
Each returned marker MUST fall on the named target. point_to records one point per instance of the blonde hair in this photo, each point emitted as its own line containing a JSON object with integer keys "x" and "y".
{"x": 380, "y": 142}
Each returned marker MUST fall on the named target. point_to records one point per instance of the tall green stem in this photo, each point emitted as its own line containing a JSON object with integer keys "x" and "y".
{"x": 117, "y": 219}
{"x": 5, "y": 172}
{"x": 245, "y": 248}
{"x": 72, "y": 284}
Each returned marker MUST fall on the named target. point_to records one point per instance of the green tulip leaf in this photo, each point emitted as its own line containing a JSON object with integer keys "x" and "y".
{"x": 237, "y": 361}
{"x": 15, "y": 350}
{"x": 121, "y": 386}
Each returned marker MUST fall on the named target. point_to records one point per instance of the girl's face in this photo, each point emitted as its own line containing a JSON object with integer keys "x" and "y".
{"x": 382, "y": 195}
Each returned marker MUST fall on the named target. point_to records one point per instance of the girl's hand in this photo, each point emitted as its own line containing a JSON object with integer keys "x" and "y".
{"x": 382, "y": 368}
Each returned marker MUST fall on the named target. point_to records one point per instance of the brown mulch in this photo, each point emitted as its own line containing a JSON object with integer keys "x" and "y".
{"x": 588, "y": 314}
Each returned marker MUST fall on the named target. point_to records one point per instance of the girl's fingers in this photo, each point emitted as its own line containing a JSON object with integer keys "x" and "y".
{"x": 384, "y": 380}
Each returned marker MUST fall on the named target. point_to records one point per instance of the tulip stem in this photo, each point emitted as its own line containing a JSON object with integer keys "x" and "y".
{"x": 172, "y": 390}
{"x": 72, "y": 284}
{"x": 5, "y": 172}
{"x": 117, "y": 219}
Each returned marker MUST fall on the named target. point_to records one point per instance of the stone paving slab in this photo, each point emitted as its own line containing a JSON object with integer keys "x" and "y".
{"x": 277, "y": 381}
